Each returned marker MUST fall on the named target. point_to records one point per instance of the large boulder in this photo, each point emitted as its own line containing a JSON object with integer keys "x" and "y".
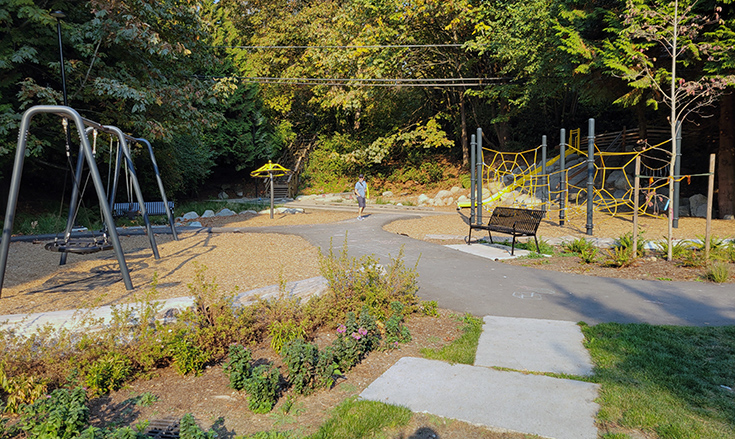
{"x": 455, "y": 190}
{"x": 423, "y": 199}
{"x": 623, "y": 182}
{"x": 387, "y": 194}
{"x": 612, "y": 179}
{"x": 190, "y": 215}
{"x": 225, "y": 212}
{"x": 208, "y": 214}
{"x": 698, "y": 205}
{"x": 442, "y": 194}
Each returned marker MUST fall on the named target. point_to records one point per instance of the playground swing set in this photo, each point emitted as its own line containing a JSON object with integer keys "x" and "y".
{"x": 108, "y": 239}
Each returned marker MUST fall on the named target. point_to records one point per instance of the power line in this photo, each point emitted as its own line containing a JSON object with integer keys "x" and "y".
{"x": 349, "y": 46}
{"x": 367, "y": 82}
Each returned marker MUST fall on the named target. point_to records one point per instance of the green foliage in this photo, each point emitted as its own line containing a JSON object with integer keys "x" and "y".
{"x": 283, "y": 332}
{"x": 355, "y": 339}
{"x": 309, "y": 368}
{"x": 238, "y": 367}
{"x": 188, "y": 429}
{"x": 395, "y": 331}
{"x": 626, "y": 242}
{"x": 326, "y": 169}
{"x": 188, "y": 357}
{"x": 620, "y": 257}
{"x": 262, "y": 388}
{"x": 20, "y": 389}
{"x": 679, "y": 248}
{"x": 664, "y": 379}
{"x": 359, "y": 282}
{"x": 463, "y": 349}
{"x": 108, "y": 373}
{"x": 578, "y": 246}
{"x": 718, "y": 272}
{"x": 693, "y": 258}
{"x": 62, "y": 414}
{"x": 147, "y": 399}
{"x": 355, "y": 419}
{"x": 430, "y": 308}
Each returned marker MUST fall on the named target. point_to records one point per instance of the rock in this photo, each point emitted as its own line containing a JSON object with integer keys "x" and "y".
{"x": 622, "y": 182}
{"x": 729, "y": 217}
{"x": 190, "y": 215}
{"x": 248, "y": 212}
{"x": 423, "y": 199}
{"x": 619, "y": 194}
{"x": 697, "y": 205}
{"x": 225, "y": 212}
{"x": 613, "y": 178}
{"x": 684, "y": 211}
{"x": 486, "y": 193}
{"x": 449, "y": 201}
{"x": 223, "y": 195}
{"x": 442, "y": 194}
{"x": 521, "y": 198}
{"x": 387, "y": 194}
{"x": 239, "y": 194}
{"x": 455, "y": 190}
{"x": 208, "y": 214}
{"x": 494, "y": 187}
{"x": 436, "y": 202}
{"x": 195, "y": 224}
{"x": 462, "y": 199}
{"x": 399, "y": 204}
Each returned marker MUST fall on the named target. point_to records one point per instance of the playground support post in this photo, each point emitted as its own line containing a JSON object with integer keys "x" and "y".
{"x": 677, "y": 170}
{"x": 472, "y": 179}
{"x": 544, "y": 177}
{"x": 636, "y": 200}
{"x": 478, "y": 174}
{"x": 590, "y": 173}
{"x": 710, "y": 195}
{"x": 270, "y": 175}
{"x": 85, "y": 149}
{"x": 563, "y": 176}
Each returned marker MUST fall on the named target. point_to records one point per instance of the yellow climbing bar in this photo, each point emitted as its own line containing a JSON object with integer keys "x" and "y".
{"x": 270, "y": 170}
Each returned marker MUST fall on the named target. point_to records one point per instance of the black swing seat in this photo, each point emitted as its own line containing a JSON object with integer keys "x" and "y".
{"x": 79, "y": 246}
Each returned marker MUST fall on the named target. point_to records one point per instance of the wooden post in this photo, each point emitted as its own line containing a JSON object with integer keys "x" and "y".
{"x": 636, "y": 188}
{"x": 710, "y": 195}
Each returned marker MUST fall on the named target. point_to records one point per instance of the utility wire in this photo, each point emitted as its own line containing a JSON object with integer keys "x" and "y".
{"x": 370, "y": 82}
{"x": 350, "y": 46}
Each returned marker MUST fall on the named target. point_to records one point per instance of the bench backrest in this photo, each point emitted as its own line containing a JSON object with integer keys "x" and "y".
{"x": 521, "y": 220}
{"x": 151, "y": 207}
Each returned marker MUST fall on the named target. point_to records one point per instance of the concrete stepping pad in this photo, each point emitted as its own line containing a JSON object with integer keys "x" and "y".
{"x": 498, "y": 400}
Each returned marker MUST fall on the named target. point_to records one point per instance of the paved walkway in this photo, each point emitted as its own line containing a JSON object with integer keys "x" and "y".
{"x": 529, "y": 326}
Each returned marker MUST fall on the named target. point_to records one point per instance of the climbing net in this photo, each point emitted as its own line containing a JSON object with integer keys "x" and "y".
{"x": 517, "y": 179}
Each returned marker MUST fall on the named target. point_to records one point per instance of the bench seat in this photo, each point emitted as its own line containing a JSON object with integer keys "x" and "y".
{"x": 511, "y": 221}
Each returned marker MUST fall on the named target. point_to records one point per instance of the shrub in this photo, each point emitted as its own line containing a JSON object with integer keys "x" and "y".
{"x": 357, "y": 282}
{"x": 578, "y": 246}
{"x": 692, "y": 258}
{"x": 430, "y": 308}
{"x": 718, "y": 272}
{"x": 308, "y": 368}
{"x": 262, "y": 388}
{"x": 20, "y": 390}
{"x": 620, "y": 257}
{"x": 679, "y": 248}
{"x": 238, "y": 367}
{"x": 188, "y": 357}
{"x": 108, "y": 373}
{"x": 355, "y": 340}
{"x": 62, "y": 414}
{"x": 283, "y": 332}
{"x": 626, "y": 242}
{"x": 588, "y": 255}
{"x": 188, "y": 429}
{"x": 395, "y": 331}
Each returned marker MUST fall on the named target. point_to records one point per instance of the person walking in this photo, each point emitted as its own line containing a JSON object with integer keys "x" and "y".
{"x": 361, "y": 193}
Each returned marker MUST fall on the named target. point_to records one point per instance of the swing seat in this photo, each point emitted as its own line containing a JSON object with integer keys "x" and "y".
{"x": 79, "y": 246}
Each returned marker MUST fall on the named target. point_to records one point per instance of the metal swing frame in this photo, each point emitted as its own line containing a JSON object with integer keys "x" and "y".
{"x": 85, "y": 154}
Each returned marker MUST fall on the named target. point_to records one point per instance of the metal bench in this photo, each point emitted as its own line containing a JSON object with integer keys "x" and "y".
{"x": 133, "y": 209}
{"x": 511, "y": 221}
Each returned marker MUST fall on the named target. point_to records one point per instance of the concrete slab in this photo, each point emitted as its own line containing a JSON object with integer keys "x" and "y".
{"x": 489, "y": 251}
{"x": 498, "y": 400}
{"x": 533, "y": 345}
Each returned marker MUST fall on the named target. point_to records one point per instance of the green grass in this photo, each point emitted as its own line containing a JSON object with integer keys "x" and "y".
{"x": 530, "y": 245}
{"x": 362, "y": 419}
{"x": 665, "y": 379}
{"x": 463, "y": 349}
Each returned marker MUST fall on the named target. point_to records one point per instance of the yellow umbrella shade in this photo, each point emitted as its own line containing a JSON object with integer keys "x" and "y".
{"x": 269, "y": 169}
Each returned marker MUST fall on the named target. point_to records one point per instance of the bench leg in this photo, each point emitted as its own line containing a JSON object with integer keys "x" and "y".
{"x": 538, "y": 249}
{"x": 513, "y": 246}
{"x": 469, "y": 237}
{"x": 490, "y": 235}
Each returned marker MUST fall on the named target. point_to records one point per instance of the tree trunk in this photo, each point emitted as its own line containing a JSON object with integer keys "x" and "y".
{"x": 501, "y": 125}
{"x": 465, "y": 144}
{"x": 726, "y": 157}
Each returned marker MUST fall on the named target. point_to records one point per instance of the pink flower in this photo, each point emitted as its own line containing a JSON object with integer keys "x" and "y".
{"x": 341, "y": 329}
{"x": 362, "y": 331}
{"x": 356, "y": 336}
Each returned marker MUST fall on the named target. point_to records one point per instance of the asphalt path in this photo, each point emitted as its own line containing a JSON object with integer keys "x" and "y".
{"x": 467, "y": 283}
